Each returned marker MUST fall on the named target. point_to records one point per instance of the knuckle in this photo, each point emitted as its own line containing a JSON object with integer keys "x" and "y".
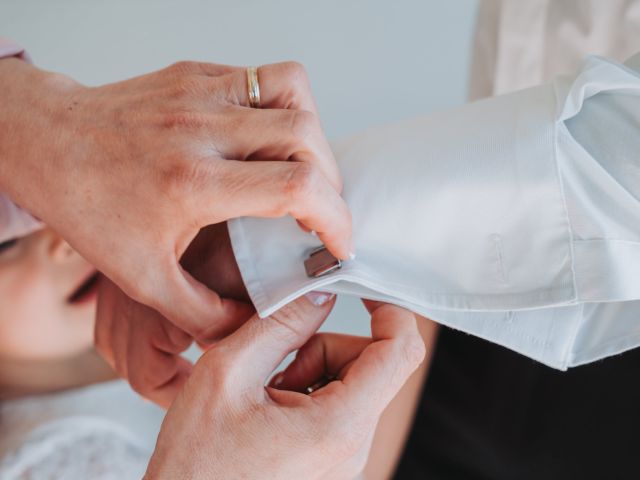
{"x": 184, "y": 67}
{"x": 181, "y": 175}
{"x": 302, "y": 124}
{"x": 296, "y": 83}
{"x": 295, "y": 73}
{"x": 302, "y": 181}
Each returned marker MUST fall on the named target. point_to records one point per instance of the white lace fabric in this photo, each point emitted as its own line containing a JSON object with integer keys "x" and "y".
{"x": 77, "y": 448}
{"x": 100, "y": 432}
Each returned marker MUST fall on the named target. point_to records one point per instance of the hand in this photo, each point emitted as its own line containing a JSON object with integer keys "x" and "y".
{"x": 226, "y": 424}
{"x": 143, "y": 346}
{"x": 129, "y": 172}
{"x": 331, "y": 356}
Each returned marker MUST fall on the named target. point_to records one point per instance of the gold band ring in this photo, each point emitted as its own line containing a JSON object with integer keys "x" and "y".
{"x": 253, "y": 87}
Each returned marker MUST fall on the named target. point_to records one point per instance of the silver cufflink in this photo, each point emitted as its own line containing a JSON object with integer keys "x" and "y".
{"x": 320, "y": 262}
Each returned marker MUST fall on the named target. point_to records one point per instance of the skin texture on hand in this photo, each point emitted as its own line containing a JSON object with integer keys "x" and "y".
{"x": 226, "y": 424}
{"x": 129, "y": 172}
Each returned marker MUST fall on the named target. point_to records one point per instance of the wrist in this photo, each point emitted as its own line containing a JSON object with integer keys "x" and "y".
{"x": 32, "y": 126}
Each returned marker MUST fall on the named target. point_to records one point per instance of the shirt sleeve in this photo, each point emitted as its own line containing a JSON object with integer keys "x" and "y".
{"x": 493, "y": 218}
{"x": 14, "y": 221}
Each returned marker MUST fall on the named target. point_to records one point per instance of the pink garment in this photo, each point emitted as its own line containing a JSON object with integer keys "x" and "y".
{"x": 14, "y": 221}
{"x": 10, "y": 49}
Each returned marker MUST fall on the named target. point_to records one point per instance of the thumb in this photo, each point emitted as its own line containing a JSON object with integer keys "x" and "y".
{"x": 324, "y": 355}
{"x": 261, "y": 344}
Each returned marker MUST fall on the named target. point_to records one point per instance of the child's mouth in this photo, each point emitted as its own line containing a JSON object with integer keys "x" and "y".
{"x": 86, "y": 291}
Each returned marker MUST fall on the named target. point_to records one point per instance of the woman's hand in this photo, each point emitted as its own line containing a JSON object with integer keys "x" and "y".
{"x": 129, "y": 172}
{"x": 226, "y": 424}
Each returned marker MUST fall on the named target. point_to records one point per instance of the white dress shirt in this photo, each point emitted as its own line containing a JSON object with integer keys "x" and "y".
{"x": 485, "y": 217}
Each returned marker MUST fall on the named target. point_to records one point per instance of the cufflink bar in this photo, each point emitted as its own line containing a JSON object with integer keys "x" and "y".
{"x": 320, "y": 262}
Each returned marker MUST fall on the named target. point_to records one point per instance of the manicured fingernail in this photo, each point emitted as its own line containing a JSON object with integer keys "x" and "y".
{"x": 319, "y": 298}
{"x": 278, "y": 379}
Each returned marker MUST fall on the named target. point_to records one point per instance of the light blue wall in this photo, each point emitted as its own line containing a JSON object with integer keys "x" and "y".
{"x": 370, "y": 61}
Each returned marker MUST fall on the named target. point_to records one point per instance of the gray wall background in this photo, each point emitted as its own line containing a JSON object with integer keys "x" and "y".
{"x": 370, "y": 62}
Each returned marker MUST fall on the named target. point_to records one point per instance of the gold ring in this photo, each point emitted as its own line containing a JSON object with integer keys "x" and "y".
{"x": 254, "y": 87}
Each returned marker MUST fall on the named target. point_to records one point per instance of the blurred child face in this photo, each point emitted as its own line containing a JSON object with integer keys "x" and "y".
{"x": 47, "y": 298}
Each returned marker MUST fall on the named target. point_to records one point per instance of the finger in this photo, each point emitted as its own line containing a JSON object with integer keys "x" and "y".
{"x": 261, "y": 344}
{"x": 156, "y": 375}
{"x": 120, "y": 329}
{"x": 275, "y": 189}
{"x": 325, "y": 354}
{"x": 104, "y": 318}
{"x": 289, "y": 114}
{"x": 277, "y": 134}
{"x": 377, "y": 375}
{"x": 123, "y": 312}
{"x": 372, "y": 305}
{"x": 282, "y": 85}
{"x": 156, "y": 369}
{"x": 194, "y": 308}
{"x": 163, "y": 395}
{"x": 141, "y": 346}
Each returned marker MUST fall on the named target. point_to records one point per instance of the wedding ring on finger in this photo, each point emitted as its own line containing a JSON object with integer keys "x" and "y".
{"x": 253, "y": 87}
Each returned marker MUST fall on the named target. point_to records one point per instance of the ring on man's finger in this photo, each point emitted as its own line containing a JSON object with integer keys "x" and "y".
{"x": 253, "y": 87}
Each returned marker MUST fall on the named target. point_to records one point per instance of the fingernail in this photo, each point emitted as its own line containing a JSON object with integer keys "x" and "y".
{"x": 319, "y": 298}
{"x": 314, "y": 233}
{"x": 278, "y": 379}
